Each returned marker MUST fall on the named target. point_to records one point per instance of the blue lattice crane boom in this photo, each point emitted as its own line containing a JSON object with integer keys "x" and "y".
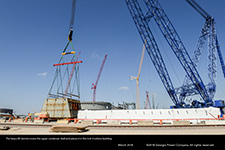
{"x": 156, "y": 11}
{"x": 178, "y": 47}
{"x": 151, "y": 46}
{"x": 220, "y": 56}
{"x": 208, "y": 32}
{"x": 199, "y": 9}
{"x": 210, "y": 21}
{"x": 72, "y": 20}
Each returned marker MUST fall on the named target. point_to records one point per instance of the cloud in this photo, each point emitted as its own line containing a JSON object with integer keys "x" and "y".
{"x": 123, "y": 88}
{"x": 42, "y": 74}
{"x": 94, "y": 55}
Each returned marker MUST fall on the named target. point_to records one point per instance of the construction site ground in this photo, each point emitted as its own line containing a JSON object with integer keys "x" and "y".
{"x": 92, "y": 130}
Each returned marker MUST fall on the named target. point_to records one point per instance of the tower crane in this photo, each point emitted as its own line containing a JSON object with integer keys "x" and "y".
{"x": 94, "y": 86}
{"x": 137, "y": 80}
{"x": 141, "y": 20}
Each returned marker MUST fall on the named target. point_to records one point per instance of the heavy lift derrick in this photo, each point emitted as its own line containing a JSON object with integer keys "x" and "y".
{"x": 178, "y": 48}
{"x": 207, "y": 32}
{"x": 151, "y": 46}
{"x": 209, "y": 26}
{"x": 187, "y": 89}
{"x": 141, "y": 21}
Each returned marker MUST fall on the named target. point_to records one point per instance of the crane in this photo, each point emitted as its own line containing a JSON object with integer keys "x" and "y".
{"x": 155, "y": 11}
{"x": 137, "y": 80}
{"x": 63, "y": 75}
{"x": 209, "y": 26}
{"x": 207, "y": 32}
{"x": 147, "y": 102}
{"x": 72, "y": 20}
{"x": 141, "y": 22}
{"x": 94, "y": 86}
{"x": 179, "y": 49}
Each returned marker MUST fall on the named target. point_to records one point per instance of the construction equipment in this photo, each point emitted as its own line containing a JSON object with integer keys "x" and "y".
{"x": 208, "y": 31}
{"x": 141, "y": 20}
{"x": 137, "y": 80}
{"x": 147, "y": 102}
{"x": 63, "y": 97}
{"x": 72, "y": 20}
{"x": 59, "y": 88}
{"x": 94, "y": 86}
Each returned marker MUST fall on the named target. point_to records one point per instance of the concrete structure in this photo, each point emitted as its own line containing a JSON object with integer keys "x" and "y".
{"x": 61, "y": 107}
{"x": 154, "y": 114}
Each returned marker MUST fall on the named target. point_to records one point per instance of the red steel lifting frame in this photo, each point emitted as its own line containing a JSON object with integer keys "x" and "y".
{"x": 74, "y": 62}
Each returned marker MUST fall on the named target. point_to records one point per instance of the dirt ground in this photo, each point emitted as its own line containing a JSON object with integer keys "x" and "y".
{"x": 217, "y": 130}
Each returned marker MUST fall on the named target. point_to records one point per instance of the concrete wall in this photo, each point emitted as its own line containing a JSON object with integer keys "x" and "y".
{"x": 152, "y": 114}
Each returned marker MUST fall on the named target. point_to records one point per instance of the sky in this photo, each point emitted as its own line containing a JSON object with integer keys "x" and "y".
{"x": 34, "y": 33}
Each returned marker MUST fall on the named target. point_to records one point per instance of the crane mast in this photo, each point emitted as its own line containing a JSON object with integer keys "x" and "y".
{"x": 220, "y": 57}
{"x": 137, "y": 80}
{"x": 94, "y": 86}
{"x": 141, "y": 22}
